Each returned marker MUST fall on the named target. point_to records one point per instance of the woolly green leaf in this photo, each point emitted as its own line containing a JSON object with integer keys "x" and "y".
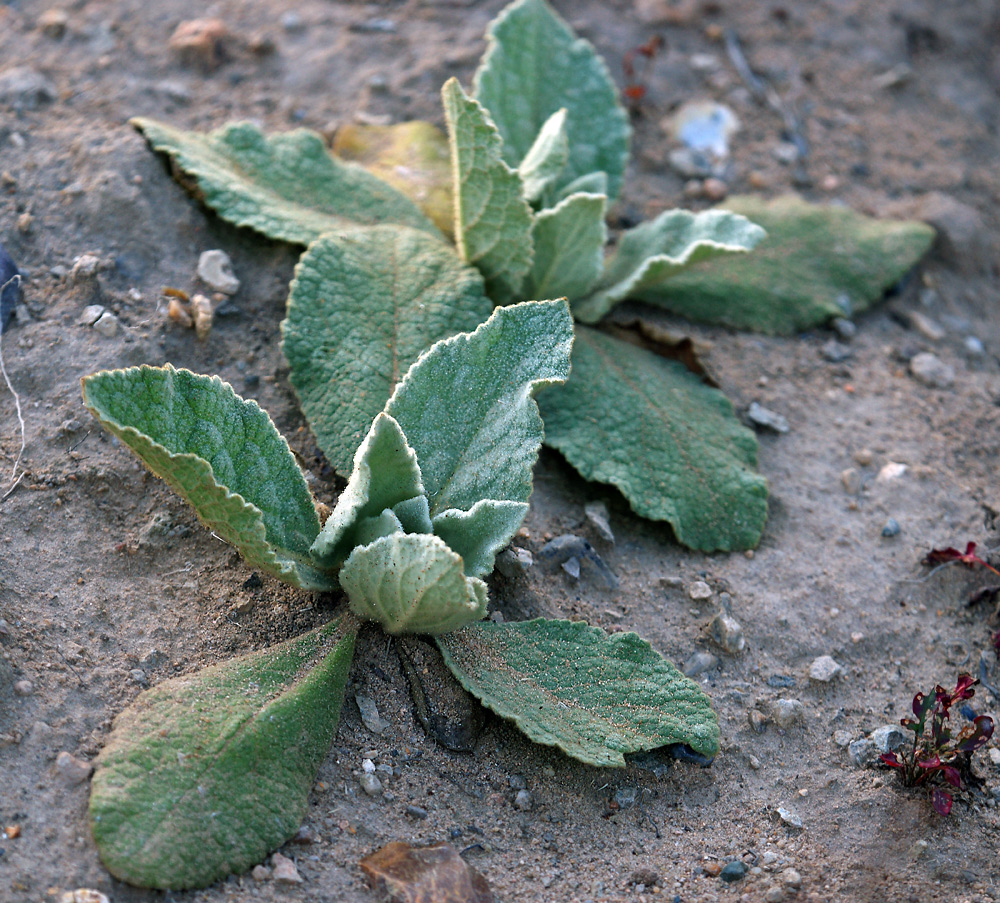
{"x": 385, "y": 473}
{"x": 816, "y": 263}
{"x": 546, "y": 160}
{"x": 658, "y": 250}
{"x": 371, "y": 528}
{"x": 492, "y": 218}
{"x": 414, "y": 515}
{"x": 534, "y": 65}
{"x": 569, "y": 247}
{"x": 592, "y": 183}
{"x": 223, "y": 455}
{"x": 288, "y": 186}
{"x": 363, "y": 305}
{"x": 206, "y": 774}
{"x": 596, "y": 697}
{"x": 412, "y": 583}
{"x": 478, "y": 534}
{"x": 467, "y": 407}
{"x": 670, "y": 443}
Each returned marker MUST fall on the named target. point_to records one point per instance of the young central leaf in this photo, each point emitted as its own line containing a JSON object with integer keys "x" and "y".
{"x": 207, "y": 773}
{"x": 492, "y": 218}
{"x": 535, "y": 65}
{"x": 569, "y": 247}
{"x": 544, "y": 163}
{"x": 594, "y": 696}
{"x": 223, "y": 455}
{"x": 363, "y": 305}
{"x": 467, "y": 407}
{"x": 288, "y": 187}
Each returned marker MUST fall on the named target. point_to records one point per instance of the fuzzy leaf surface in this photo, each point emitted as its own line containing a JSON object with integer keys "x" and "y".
{"x": 223, "y": 455}
{"x": 569, "y": 247}
{"x": 478, "y": 534}
{"x": 595, "y": 696}
{"x": 287, "y": 186}
{"x": 817, "y": 263}
{"x": 492, "y": 218}
{"x": 206, "y": 774}
{"x": 543, "y": 164}
{"x": 534, "y": 65}
{"x": 467, "y": 405}
{"x": 385, "y": 474}
{"x": 412, "y": 583}
{"x": 656, "y": 251}
{"x": 363, "y": 305}
{"x": 671, "y": 444}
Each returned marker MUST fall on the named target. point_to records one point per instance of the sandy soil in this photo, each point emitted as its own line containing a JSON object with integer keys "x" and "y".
{"x": 108, "y": 581}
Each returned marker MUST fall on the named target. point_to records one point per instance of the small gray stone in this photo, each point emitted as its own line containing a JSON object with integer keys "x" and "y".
{"x": 370, "y": 784}
{"x": 766, "y": 419}
{"x": 824, "y": 669}
{"x": 139, "y": 677}
{"x": 699, "y": 591}
{"x": 215, "y": 269}
{"x": 572, "y": 567}
{"x": 23, "y": 688}
{"x": 517, "y": 782}
{"x": 891, "y": 528}
{"x": 72, "y": 770}
{"x": 836, "y": 352}
{"x": 153, "y": 658}
{"x": 850, "y": 479}
{"x": 626, "y": 797}
{"x": 107, "y": 324}
{"x": 728, "y": 633}
{"x": 691, "y": 164}
{"x": 888, "y": 738}
{"x": 917, "y": 849}
{"x": 844, "y": 328}
{"x": 757, "y": 721}
{"x": 974, "y": 346}
{"x": 962, "y": 236}
{"x": 774, "y": 894}
{"x": 842, "y": 738}
{"x": 733, "y": 871}
{"x": 928, "y": 328}
{"x": 786, "y": 713}
{"x": 284, "y": 870}
{"x": 791, "y": 878}
{"x": 514, "y": 562}
{"x": 85, "y": 269}
{"x": 260, "y": 873}
{"x": 90, "y": 315}
{"x": 21, "y": 86}
{"x": 930, "y": 370}
{"x": 862, "y": 752}
{"x": 369, "y": 713}
{"x": 416, "y": 812}
{"x": 597, "y": 514}
{"x": 699, "y": 663}
{"x": 522, "y": 800}
{"x": 789, "y": 817}
{"x": 292, "y": 22}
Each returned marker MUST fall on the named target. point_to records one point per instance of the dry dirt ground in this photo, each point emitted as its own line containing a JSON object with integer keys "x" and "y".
{"x": 108, "y": 581}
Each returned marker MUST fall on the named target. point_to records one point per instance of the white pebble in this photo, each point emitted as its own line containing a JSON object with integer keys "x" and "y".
{"x": 284, "y": 870}
{"x": 824, "y": 669}
{"x": 107, "y": 324}
{"x": 215, "y": 269}
{"x": 699, "y": 590}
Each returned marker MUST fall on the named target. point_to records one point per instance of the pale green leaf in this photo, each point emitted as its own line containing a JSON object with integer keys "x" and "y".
{"x": 363, "y": 305}
{"x": 670, "y": 443}
{"x": 656, "y": 251}
{"x": 467, "y": 406}
{"x": 817, "y": 262}
{"x": 414, "y": 515}
{"x": 479, "y": 533}
{"x": 412, "y": 583}
{"x": 592, "y": 183}
{"x": 492, "y": 218}
{"x": 206, "y": 774}
{"x": 223, "y": 455}
{"x": 534, "y": 65}
{"x": 596, "y": 697}
{"x": 569, "y": 247}
{"x": 288, "y": 186}
{"x": 545, "y": 161}
{"x": 371, "y": 528}
{"x": 385, "y": 473}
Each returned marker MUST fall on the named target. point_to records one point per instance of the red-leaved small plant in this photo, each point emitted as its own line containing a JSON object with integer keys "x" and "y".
{"x": 939, "y": 755}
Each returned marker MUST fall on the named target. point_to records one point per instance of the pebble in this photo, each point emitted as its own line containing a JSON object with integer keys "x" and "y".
{"x": 72, "y": 770}
{"x": 292, "y": 22}
{"x": 862, "y": 752}
{"x": 572, "y": 567}
{"x": 994, "y": 754}
{"x": 371, "y": 785}
{"x": 781, "y": 681}
{"x": 699, "y": 590}
{"x": 200, "y": 42}
{"x": 760, "y": 416}
{"x": 139, "y": 677}
{"x": 864, "y": 457}
{"x": 757, "y": 721}
{"x": 705, "y": 127}
{"x": 733, "y": 871}
{"x": 690, "y": 163}
{"x": 83, "y": 895}
{"x": 774, "y": 894}
{"x": 844, "y": 328}
{"x": 215, "y": 269}
{"x": 597, "y": 514}
{"x": 917, "y": 849}
{"x": 369, "y": 713}
{"x": 851, "y": 481}
{"x": 927, "y": 327}
{"x": 888, "y": 738}
{"x": 368, "y": 766}
{"x": 892, "y": 470}
{"x": 712, "y": 869}
{"x": 962, "y": 234}
{"x": 517, "y": 782}
{"x": 791, "y": 878}
{"x": 284, "y": 870}
{"x": 25, "y": 88}
{"x": 973, "y": 346}
{"x": 260, "y": 873}
{"x": 53, "y": 23}
{"x": 728, "y": 633}
{"x": 836, "y": 352}
{"x": 754, "y": 761}
{"x": 522, "y": 800}
{"x": 416, "y": 812}
{"x": 107, "y": 324}
{"x": 699, "y": 663}
{"x": 824, "y": 669}
{"x": 930, "y": 370}
{"x": 514, "y": 562}
{"x": 842, "y": 738}
{"x": 714, "y": 189}
{"x": 24, "y": 688}
{"x": 786, "y": 713}
{"x": 790, "y": 817}
{"x": 891, "y": 528}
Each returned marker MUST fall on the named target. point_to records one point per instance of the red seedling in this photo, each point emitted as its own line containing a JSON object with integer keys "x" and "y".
{"x": 969, "y": 557}
{"x": 636, "y": 64}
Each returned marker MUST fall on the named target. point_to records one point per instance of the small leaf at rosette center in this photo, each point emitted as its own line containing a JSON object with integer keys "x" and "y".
{"x": 595, "y": 696}
{"x": 545, "y": 161}
{"x": 478, "y": 534}
{"x": 206, "y": 774}
{"x": 569, "y": 247}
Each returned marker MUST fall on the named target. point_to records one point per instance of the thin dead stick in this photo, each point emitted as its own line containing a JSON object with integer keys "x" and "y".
{"x": 17, "y": 399}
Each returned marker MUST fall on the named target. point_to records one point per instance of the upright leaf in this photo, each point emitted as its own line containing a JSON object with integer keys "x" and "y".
{"x": 467, "y": 407}
{"x": 545, "y": 161}
{"x": 534, "y": 65}
{"x": 650, "y": 254}
{"x": 363, "y": 305}
{"x": 288, "y": 186}
{"x": 479, "y": 533}
{"x": 817, "y": 262}
{"x": 569, "y": 247}
{"x": 206, "y": 774}
{"x": 492, "y": 218}
{"x": 223, "y": 455}
{"x": 596, "y": 697}
{"x": 412, "y": 583}
{"x": 670, "y": 443}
